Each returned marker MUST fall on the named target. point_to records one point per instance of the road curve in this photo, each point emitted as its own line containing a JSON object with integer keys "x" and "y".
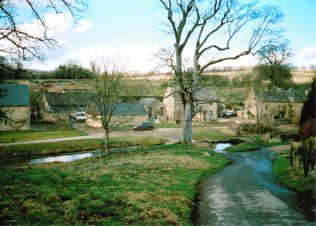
{"x": 246, "y": 193}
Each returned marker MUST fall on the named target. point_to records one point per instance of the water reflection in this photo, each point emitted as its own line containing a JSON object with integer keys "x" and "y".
{"x": 63, "y": 158}
{"x": 221, "y": 146}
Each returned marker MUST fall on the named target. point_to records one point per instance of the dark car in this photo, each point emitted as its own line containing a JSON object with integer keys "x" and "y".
{"x": 144, "y": 126}
{"x": 229, "y": 114}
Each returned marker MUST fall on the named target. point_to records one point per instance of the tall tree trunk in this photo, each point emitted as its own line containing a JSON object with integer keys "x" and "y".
{"x": 107, "y": 141}
{"x": 185, "y": 101}
{"x": 186, "y": 137}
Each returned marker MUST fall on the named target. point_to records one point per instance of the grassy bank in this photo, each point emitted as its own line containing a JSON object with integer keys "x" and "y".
{"x": 15, "y": 136}
{"x": 152, "y": 186}
{"x": 243, "y": 147}
{"x": 199, "y": 133}
{"x": 42, "y": 149}
{"x": 260, "y": 142}
{"x": 292, "y": 178}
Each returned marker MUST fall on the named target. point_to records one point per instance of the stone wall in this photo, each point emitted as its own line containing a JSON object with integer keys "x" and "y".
{"x": 17, "y": 118}
{"x": 207, "y": 113}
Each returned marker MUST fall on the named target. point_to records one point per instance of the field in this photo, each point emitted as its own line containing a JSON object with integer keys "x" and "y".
{"x": 152, "y": 186}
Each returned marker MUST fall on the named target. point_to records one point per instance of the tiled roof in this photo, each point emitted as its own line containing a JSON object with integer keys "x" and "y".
{"x": 13, "y": 95}
{"x": 280, "y": 95}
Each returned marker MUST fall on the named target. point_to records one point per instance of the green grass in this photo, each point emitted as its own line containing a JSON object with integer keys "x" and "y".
{"x": 199, "y": 133}
{"x": 43, "y": 149}
{"x": 243, "y": 147}
{"x": 16, "y": 136}
{"x": 268, "y": 144}
{"x": 152, "y": 186}
{"x": 292, "y": 178}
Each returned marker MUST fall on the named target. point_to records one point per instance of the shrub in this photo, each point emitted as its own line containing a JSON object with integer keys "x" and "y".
{"x": 303, "y": 155}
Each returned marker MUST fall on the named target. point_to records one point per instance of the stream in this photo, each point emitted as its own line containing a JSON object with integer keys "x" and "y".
{"x": 247, "y": 193}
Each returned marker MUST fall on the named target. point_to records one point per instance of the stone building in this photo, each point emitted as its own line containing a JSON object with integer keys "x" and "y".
{"x": 155, "y": 108}
{"x": 130, "y": 113}
{"x": 206, "y": 105}
{"x": 274, "y": 105}
{"x": 14, "y": 107}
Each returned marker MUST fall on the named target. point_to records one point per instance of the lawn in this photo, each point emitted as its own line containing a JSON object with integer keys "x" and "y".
{"x": 44, "y": 149}
{"x": 215, "y": 135}
{"x": 152, "y": 186}
{"x": 16, "y": 136}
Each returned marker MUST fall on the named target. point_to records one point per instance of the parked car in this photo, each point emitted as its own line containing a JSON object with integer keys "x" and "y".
{"x": 144, "y": 126}
{"x": 227, "y": 114}
{"x": 79, "y": 116}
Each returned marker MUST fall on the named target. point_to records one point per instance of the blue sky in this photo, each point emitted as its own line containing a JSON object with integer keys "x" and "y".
{"x": 132, "y": 30}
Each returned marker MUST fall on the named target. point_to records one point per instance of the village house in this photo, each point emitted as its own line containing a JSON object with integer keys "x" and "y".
{"x": 155, "y": 109}
{"x": 273, "y": 105}
{"x": 206, "y": 105}
{"x": 67, "y": 101}
{"x": 129, "y": 112}
{"x": 14, "y": 107}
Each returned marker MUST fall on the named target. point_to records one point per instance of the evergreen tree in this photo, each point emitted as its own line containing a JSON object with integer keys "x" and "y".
{"x": 308, "y": 110}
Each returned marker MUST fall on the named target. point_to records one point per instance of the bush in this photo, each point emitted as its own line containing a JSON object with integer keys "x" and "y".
{"x": 303, "y": 155}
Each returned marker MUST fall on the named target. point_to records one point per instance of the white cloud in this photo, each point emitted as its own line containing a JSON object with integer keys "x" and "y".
{"x": 305, "y": 57}
{"x": 82, "y": 26}
{"x": 136, "y": 57}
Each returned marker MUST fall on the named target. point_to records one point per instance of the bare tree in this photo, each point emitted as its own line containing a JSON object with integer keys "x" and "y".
{"x": 110, "y": 85}
{"x": 212, "y": 26}
{"x": 16, "y": 41}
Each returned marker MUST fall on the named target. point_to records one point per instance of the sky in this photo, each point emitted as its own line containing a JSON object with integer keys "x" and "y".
{"x": 132, "y": 31}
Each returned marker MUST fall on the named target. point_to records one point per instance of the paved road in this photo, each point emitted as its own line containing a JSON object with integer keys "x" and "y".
{"x": 246, "y": 193}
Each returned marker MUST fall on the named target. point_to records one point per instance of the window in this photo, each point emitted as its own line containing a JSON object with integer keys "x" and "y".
{"x": 150, "y": 112}
{"x": 266, "y": 107}
{"x": 162, "y": 111}
{"x": 279, "y": 107}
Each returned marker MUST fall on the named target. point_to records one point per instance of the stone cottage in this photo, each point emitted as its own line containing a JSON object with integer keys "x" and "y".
{"x": 155, "y": 109}
{"x": 14, "y": 107}
{"x": 206, "y": 104}
{"x": 273, "y": 105}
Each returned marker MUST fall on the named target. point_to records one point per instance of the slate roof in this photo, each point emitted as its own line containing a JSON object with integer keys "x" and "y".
{"x": 206, "y": 94}
{"x": 82, "y": 98}
{"x": 130, "y": 109}
{"x": 13, "y": 95}
{"x": 283, "y": 96}
{"x": 146, "y": 100}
